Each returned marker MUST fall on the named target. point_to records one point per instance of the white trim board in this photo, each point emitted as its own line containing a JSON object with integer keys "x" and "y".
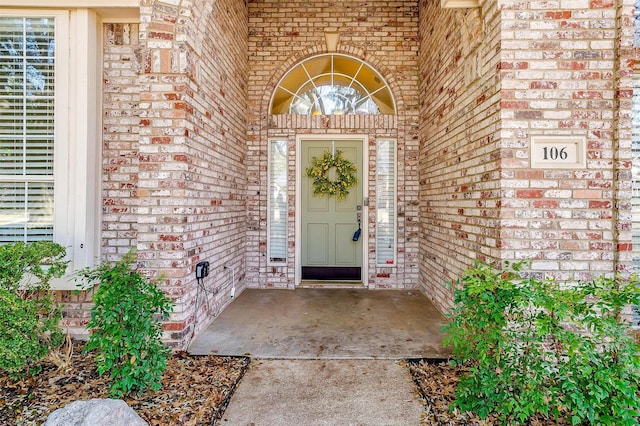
{"x": 61, "y": 4}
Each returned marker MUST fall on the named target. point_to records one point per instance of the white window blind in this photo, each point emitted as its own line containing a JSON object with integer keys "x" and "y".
{"x": 635, "y": 199}
{"x": 277, "y": 203}
{"x": 27, "y": 94}
{"x": 386, "y": 203}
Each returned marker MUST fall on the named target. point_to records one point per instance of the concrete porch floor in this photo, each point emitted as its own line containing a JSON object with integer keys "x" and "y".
{"x": 323, "y": 323}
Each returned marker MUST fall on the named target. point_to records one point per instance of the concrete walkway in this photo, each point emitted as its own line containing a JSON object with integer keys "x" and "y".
{"x": 325, "y": 356}
{"x": 326, "y": 324}
{"x": 324, "y": 392}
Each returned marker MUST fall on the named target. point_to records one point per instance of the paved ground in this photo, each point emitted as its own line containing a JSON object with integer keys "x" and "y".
{"x": 326, "y": 324}
{"x": 324, "y": 392}
{"x": 325, "y": 356}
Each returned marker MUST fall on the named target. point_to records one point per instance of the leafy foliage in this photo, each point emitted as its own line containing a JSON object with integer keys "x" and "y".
{"x": 538, "y": 348}
{"x": 125, "y": 327}
{"x": 197, "y": 390}
{"x": 345, "y": 175}
{"x": 28, "y": 315}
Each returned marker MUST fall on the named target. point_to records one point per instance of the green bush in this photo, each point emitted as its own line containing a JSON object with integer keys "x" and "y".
{"x": 125, "y": 328}
{"x": 29, "y": 317}
{"x": 537, "y": 349}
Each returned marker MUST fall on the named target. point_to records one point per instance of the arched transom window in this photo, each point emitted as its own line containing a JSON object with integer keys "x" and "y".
{"x": 332, "y": 84}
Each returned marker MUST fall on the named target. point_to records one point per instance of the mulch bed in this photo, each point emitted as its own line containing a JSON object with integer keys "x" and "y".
{"x": 436, "y": 382}
{"x": 195, "y": 390}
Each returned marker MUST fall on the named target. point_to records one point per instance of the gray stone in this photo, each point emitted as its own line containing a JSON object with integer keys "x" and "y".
{"x": 95, "y": 412}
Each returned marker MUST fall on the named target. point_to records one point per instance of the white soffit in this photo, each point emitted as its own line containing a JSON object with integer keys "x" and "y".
{"x": 459, "y": 3}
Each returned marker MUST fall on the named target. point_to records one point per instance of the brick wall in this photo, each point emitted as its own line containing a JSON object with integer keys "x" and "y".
{"x": 120, "y": 121}
{"x": 460, "y": 198}
{"x": 568, "y": 72}
{"x": 383, "y": 34}
{"x": 191, "y": 180}
{"x": 186, "y": 124}
{"x": 174, "y": 182}
{"x": 543, "y": 68}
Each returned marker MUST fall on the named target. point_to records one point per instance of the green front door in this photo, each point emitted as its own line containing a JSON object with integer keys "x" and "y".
{"x": 328, "y": 224}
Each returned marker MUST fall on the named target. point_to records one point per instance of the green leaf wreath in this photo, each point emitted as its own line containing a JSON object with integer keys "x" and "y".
{"x": 345, "y": 175}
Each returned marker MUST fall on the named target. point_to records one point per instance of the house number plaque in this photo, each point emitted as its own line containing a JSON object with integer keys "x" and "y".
{"x": 558, "y": 152}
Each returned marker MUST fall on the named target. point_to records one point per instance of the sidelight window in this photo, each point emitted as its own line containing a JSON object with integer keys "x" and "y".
{"x": 635, "y": 199}
{"x": 386, "y": 203}
{"x": 277, "y": 202}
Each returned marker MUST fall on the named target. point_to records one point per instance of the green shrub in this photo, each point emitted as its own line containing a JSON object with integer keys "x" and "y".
{"x": 538, "y": 349}
{"x": 125, "y": 328}
{"x": 29, "y": 318}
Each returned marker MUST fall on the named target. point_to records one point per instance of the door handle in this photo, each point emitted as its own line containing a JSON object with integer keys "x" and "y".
{"x": 356, "y": 235}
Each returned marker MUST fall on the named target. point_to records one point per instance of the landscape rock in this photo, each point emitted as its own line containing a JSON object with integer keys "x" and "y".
{"x": 95, "y": 412}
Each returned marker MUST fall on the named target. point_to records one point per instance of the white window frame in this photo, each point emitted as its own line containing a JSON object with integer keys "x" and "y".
{"x": 269, "y": 203}
{"x": 394, "y": 208}
{"x": 77, "y": 122}
{"x": 61, "y": 60}
{"x": 635, "y": 186}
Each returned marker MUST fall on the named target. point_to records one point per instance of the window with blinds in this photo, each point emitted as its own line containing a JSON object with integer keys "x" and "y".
{"x": 27, "y": 73}
{"x": 277, "y": 203}
{"x": 635, "y": 199}
{"x": 386, "y": 203}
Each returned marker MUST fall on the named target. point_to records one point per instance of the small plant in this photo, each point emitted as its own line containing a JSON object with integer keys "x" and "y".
{"x": 62, "y": 356}
{"x": 125, "y": 327}
{"x": 28, "y": 315}
{"x": 540, "y": 350}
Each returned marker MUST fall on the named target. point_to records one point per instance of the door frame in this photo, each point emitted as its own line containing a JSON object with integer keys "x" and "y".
{"x": 363, "y": 139}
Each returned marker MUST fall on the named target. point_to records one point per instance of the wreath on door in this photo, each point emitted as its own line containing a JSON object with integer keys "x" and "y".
{"x": 345, "y": 175}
